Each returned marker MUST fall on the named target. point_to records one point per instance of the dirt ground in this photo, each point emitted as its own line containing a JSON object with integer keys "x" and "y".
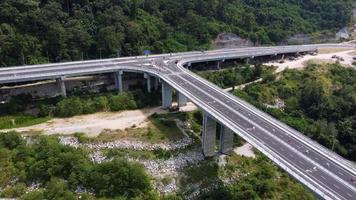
{"x": 245, "y": 150}
{"x": 94, "y": 124}
{"x": 324, "y": 56}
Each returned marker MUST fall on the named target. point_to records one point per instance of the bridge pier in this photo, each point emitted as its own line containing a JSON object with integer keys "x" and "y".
{"x": 182, "y": 100}
{"x": 61, "y": 85}
{"x": 156, "y": 83}
{"x": 167, "y": 92}
{"x": 209, "y": 135}
{"x": 118, "y": 81}
{"x": 218, "y": 65}
{"x": 226, "y": 140}
{"x": 148, "y": 78}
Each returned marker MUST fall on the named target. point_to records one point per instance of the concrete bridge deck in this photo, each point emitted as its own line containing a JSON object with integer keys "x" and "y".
{"x": 321, "y": 170}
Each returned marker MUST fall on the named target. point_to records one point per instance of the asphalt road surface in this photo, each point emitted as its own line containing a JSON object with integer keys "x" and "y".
{"x": 325, "y": 173}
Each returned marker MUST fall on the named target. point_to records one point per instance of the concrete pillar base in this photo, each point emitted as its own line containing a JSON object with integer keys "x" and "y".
{"x": 61, "y": 85}
{"x": 226, "y": 140}
{"x": 182, "y": 100}
{"x": 209, "y": 136}
{"x": 167, "y": 92}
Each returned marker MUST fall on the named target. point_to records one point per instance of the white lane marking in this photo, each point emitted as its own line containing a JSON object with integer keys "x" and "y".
{"x": 348, "y": 194}
{"x": 336, "y": 186}
{"x": 262, "y": 116}
{"x": 323, "y": 177}
{"x": 239, "y": 114}
{"x": 340, "y": 173}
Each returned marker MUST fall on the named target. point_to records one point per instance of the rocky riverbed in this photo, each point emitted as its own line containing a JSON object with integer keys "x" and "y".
{"x": 129, "y": 144}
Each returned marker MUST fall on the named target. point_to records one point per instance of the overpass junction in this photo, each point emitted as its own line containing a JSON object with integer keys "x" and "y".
{"x": 325, "y": 173}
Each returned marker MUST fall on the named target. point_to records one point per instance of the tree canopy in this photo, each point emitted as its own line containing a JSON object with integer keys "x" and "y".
{"x": 320, "y": 101}
{"x": 39, "y": 31}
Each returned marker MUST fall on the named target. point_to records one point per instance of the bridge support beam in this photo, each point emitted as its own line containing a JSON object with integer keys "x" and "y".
{"x": 182, "y": 100}
{"x": 167, "y": 92}
{"x": 226, "y": 140}
{"x": 118, "y": 81}
{"x": 62, "y": 86}
{"x": 209, "y": 135}
{"x": 148, "y": 78}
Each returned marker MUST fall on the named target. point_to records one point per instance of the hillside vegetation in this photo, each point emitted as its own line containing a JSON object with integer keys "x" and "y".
{"x": 320, "y": 102}
{"x": 39, "y": 31}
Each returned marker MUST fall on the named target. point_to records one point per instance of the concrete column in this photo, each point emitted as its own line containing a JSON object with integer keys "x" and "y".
{"x": 218, "y": 65}
{"x": 226, "y": 140}
{"x": 182, "y": 100}
{"x": 118, "y": 81}
{"x": 62, "y": 86}
{"x": 156, "y": 83}
{"x": 209, "y": 135}
{"x": 148, "y": 78}
{"x": 167, "y": 92}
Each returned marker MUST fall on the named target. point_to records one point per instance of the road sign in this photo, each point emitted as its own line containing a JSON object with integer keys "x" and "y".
{"x": 146, "y": 52}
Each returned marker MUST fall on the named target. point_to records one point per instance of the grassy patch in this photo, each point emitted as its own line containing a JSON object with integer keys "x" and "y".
{"x": 162, "y": 127}
{"x": 203, "y": 174}
{"x": 9, "y": 122}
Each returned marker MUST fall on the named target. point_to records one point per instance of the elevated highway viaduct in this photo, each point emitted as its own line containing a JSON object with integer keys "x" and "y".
{"x": 322, "y": 171}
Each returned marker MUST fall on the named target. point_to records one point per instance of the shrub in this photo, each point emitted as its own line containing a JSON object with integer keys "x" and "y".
{"x": 101, "y": 103}
{"x": 10, "y": 140}
{"x": 123, "y": 101}
{"x": 119, "y": 178}
{"x": 69, "y": 107}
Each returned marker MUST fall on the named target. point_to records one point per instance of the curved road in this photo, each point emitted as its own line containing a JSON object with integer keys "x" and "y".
{"x": 321, "y": 170}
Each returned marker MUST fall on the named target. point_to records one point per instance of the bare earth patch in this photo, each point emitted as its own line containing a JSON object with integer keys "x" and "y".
{"x": 300, "y": 63}
{"x": 245, "y": 150}
{"x": 92, "y": 125}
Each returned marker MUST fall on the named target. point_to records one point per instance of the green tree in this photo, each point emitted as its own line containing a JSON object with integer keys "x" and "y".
{"x": 119, "y": 178}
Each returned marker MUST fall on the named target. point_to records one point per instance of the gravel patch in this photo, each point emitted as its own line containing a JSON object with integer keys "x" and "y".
{"x": 129, "y": 144}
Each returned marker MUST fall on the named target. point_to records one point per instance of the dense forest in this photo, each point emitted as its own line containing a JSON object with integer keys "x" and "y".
{"x": 320, "y": 102}
{"x": 40, "y": 31}
{"x": 59, "y": 171}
